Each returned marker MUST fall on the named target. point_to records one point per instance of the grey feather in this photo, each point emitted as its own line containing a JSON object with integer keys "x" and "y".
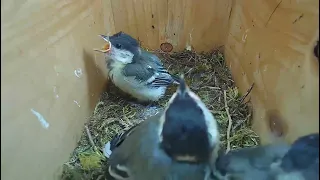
{"x": 153, "y": 58}
{"x": 303, "y": 158}
{"x": 140, "y": 72}
{"x": 250, "y": 163}
{"x": 140, "y": 153}
{"x": 148, "y": 67}
{"x": 300, "y": 161}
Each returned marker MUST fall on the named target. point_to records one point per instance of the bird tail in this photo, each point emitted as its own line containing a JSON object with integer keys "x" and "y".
{"x": 176, "y": 79}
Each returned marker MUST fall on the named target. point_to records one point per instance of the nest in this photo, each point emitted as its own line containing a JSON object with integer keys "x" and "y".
{"x": 207, "y": 76}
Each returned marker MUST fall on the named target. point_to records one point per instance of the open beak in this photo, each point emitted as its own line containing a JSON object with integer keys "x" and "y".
{"x": 107, "y": 47}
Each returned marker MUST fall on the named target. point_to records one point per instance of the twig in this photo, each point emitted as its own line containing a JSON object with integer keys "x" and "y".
{"x": 211, "y": 87}
{"x": 247, "y": 93}
{"x": 229, "y": 120}
{"x": 90, "y": 138}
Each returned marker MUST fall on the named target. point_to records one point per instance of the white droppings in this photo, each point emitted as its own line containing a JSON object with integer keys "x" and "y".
{"x": 76, "y": 103}
{"x": 56, "y": 70}
{"x": 244, "y": 37}
{"x": 190, "y": 35}
{"x": 265, "y": 68}
{"x": 188, "y": 46}
{"x": 55, "y": 92}
{"x": 78, "y": 72}
{"x": 41, "y": 119}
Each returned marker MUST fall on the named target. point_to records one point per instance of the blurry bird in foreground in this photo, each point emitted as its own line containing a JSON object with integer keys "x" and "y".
{"x": 134, "y": 70}
{"x": 175, "y": 144}
{"x": 300, "y": 161}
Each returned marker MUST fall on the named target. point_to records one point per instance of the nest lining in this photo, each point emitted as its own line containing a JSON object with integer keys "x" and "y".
{"x": 207, "y": 76}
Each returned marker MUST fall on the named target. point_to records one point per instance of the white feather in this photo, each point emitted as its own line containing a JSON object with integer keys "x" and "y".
{"x": 130, "y": 85}
{"x": 120, "y": 168}
{"x": 211, "y": 122}
{"x": 133, "y": 87}
{"x": 123, "y": 56}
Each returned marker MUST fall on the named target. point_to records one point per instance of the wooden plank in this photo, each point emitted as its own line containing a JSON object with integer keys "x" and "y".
{"x": 271, "y": 44}
{"x": 43, "y": 44}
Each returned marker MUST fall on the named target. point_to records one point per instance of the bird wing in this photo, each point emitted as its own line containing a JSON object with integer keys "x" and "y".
{"x": 120, "y": 137}
{"x": 155, "y": 62}
{"x": 147, "y": 75}
{"x": 139, "y": 156}
{"x": 151, "y": 57}
{"x": 131, "y": 148}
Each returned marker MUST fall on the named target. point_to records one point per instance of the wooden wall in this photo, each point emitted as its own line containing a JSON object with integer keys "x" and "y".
{"x": 49, "y": 82}
{"x": 270, "y": 43}
{"x": 51, "y": 78}
{"x": 202, "y": 24}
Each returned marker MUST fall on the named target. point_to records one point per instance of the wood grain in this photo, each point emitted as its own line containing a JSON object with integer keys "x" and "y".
{"x": 43, "y": 43}
{"x": 268, "y": 42}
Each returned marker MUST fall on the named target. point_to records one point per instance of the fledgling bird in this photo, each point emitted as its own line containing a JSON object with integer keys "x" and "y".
{"x": 248, "y": 163}
{"x": 134, "y": 70}
{"x": 300, "y": 161}
{"x": 176, "y": 144}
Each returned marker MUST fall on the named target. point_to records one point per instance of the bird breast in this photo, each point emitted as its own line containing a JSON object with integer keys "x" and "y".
{"x": 133, "y": 87}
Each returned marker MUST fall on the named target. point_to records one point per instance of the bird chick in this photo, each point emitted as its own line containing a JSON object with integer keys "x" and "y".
{"x": 176, "y": 144}
{"x": 135, "y": 71}
{"x": 300, "y": 161}
{"x": 248, "y": 163}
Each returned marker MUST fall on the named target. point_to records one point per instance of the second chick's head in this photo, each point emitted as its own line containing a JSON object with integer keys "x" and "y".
{"x": 120, "y": 47}
{"x": 189, "y": 132}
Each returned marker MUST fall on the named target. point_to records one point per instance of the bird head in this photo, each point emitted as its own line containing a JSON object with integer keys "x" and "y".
{"x": 304, "y": 152}
{"x": 120, "y": 47}
{"x": 189, "y": 130}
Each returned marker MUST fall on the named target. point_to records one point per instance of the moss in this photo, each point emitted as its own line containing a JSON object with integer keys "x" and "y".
{"x": 90, "y": 160}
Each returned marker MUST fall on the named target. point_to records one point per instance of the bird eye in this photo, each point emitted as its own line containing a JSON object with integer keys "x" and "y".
{"x": 119, "y": 46}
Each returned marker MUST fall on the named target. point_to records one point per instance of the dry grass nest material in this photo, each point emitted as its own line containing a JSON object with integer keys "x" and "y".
{"x": 205, "y": 73}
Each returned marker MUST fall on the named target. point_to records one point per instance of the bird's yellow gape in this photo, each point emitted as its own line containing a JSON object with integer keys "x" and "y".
{"x": 106, "y": 48}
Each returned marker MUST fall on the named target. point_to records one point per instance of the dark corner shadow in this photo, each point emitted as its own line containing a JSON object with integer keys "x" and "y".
{"x": 95, "y": 77}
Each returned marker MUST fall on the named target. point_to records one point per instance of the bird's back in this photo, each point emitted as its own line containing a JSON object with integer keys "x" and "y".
{"x": 141, "y": 153}
{"x": 154, "y": 61}
{"x": 249, "y": 163}
{"x": 302, "y": 160}
{"x": 151, "y": 59}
